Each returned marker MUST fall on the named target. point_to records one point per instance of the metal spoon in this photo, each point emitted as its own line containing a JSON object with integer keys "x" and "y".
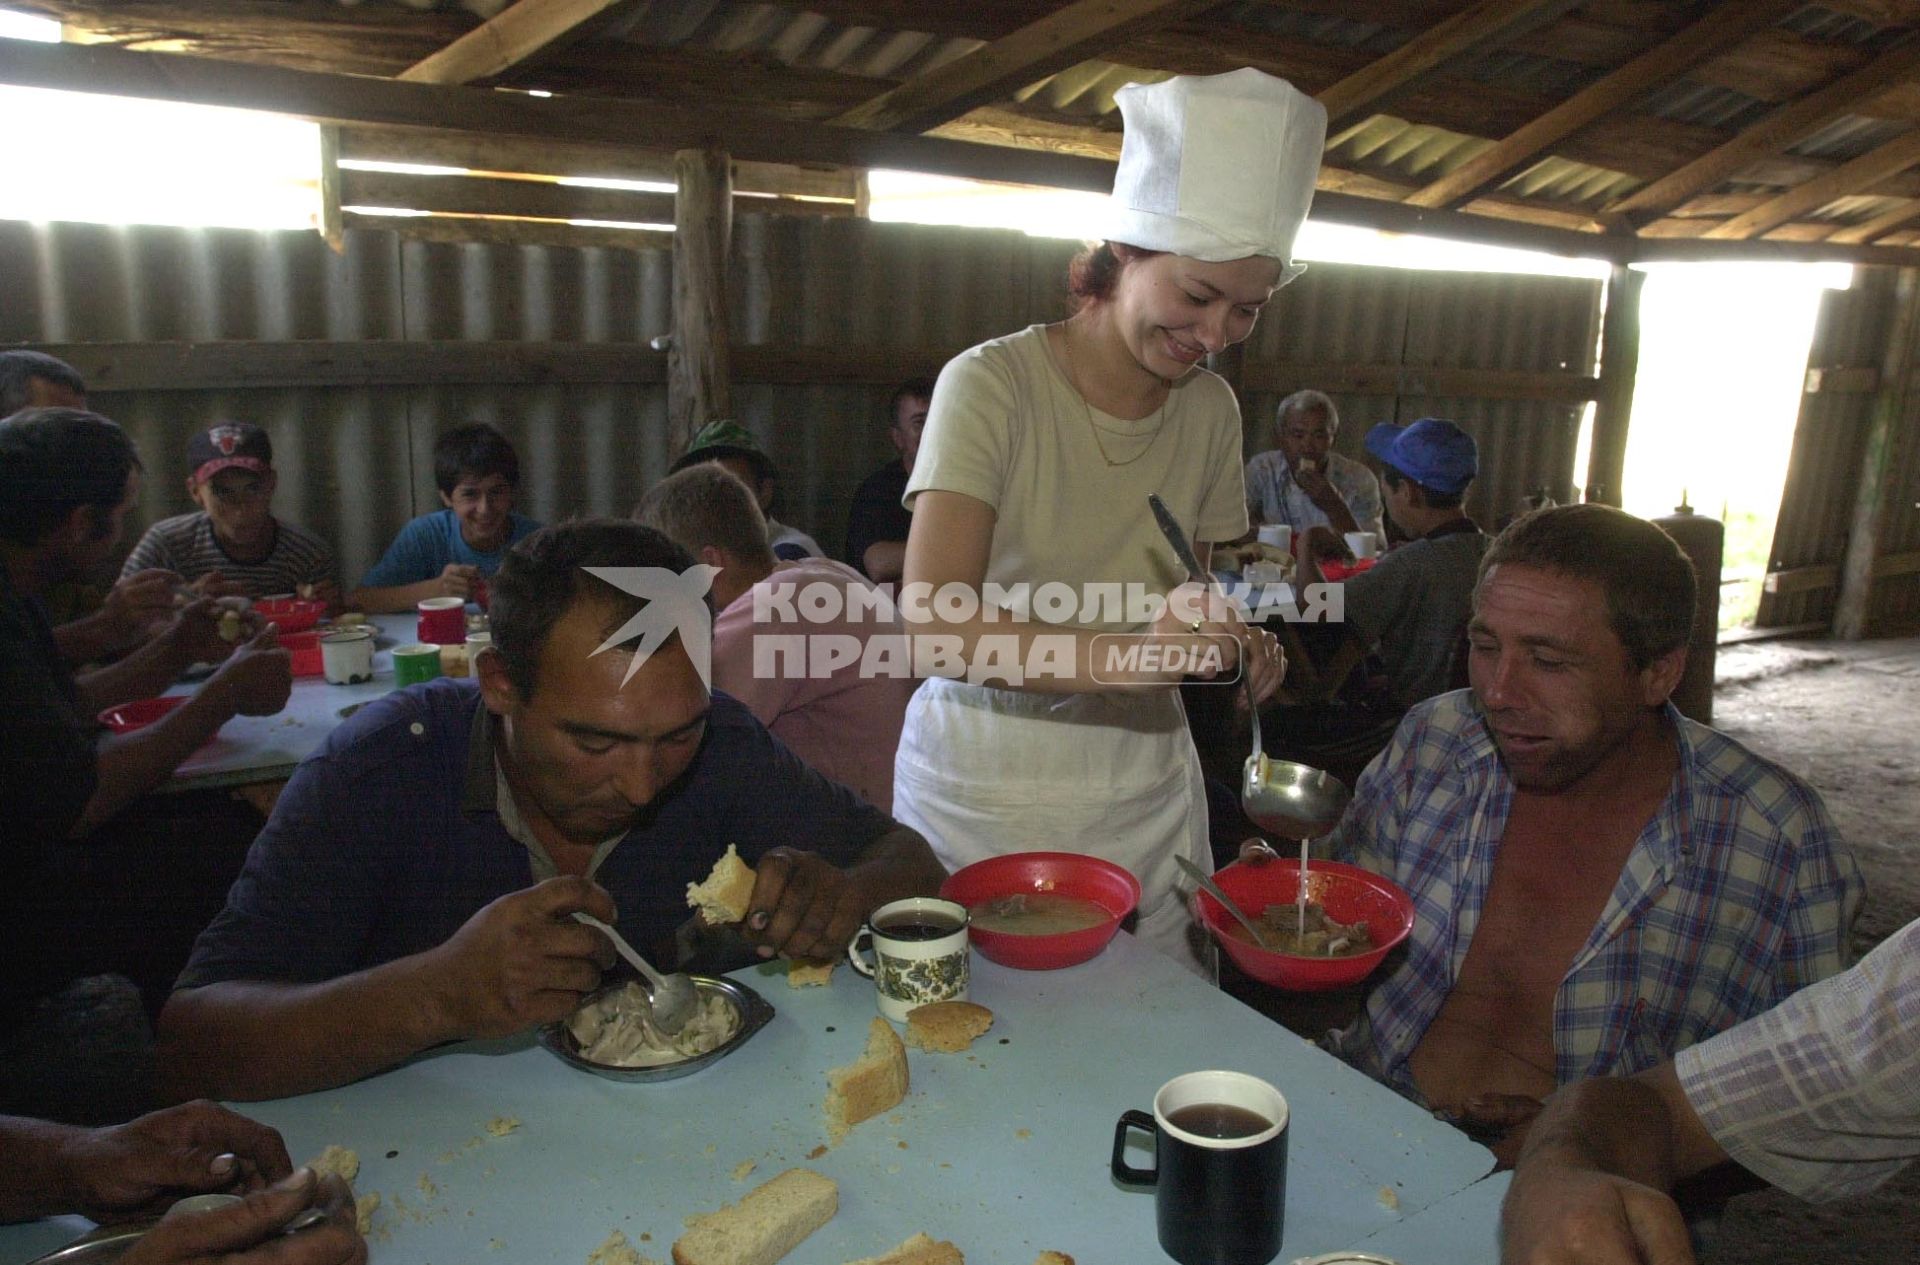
{"x": 674, "y": 997}
{"x": 1199, "y": 876}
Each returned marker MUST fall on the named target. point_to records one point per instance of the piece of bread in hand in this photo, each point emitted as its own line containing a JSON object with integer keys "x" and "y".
{"x": 873, "y": 1083}
{"x": 946, "y": 1027}
{"x": 764, "y": 1226}
{"x": 727, "y": 893}
{"x": 804, "y": 974}
{"x": 918, "y": 1250}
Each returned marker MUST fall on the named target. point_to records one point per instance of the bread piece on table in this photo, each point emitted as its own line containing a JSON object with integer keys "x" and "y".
{"x": 727, "y": 893}
{"x": 918, "y": 1250}
{"x": 947, "y": 1027}
{"x": 873, "y": 1083}
{"x": 764, "y": 1226}
{"x": 803, "y": 974}
{"x": 1053, "y": 1258}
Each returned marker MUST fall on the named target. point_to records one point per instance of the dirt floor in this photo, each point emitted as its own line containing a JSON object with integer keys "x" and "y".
{"x": 1845, "y": 716}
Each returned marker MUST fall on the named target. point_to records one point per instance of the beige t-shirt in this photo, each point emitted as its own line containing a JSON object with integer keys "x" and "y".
{"x": 1007, "y": 428}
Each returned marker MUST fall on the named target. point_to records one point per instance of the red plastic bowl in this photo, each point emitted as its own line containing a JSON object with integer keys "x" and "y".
{"x": 1066, "y": 873}
{"x": 1348, "y": 894}
{"x": 303, "y": 649}
{"x": 132, "y": 717}
{"x": 290, "y": 614}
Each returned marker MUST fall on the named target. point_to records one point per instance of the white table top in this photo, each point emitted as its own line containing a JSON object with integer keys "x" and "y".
{"x": 1003, "y": 1149}
{"x": 266, "y": 748}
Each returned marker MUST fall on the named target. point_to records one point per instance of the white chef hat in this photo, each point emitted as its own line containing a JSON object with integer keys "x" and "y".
{"x": 1216, "y": 167}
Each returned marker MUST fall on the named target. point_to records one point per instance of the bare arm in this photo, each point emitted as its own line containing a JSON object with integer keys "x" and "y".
{"x": 885, "y": 561}
{"x": 456, "y": 580}
{"x": 254, "y": 681}
{"x": 515, "y": 964}
{"x": 1592, "y": 1179}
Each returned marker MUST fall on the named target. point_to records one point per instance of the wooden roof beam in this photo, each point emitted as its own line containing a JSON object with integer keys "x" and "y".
{"x": 1063, "y": 38}
{"x": 355, "y": 99}
{"x": 1845, "y": 95}
{"x": 505, "y": 40}
{"x": 1877, "y": 227}
{"x": 1727, "y": 24}
{"x": 1471, "y": 27}
{"x": 1896, "y": 156}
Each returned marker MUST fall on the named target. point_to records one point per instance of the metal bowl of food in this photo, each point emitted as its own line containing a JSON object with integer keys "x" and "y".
{"x": 621, "y": 1005}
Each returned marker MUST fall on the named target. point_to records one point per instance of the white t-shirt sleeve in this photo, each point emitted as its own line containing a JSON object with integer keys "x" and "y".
{"x": 968, "y": 441}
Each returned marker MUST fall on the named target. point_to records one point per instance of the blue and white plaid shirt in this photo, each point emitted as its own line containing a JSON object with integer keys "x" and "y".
{"x": 1737, "y": 892}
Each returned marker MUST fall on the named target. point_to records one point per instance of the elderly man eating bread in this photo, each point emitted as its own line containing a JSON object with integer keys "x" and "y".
{"x": 416, "y": 881}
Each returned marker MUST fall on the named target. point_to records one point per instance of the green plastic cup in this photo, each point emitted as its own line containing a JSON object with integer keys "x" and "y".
{"x": 414, "y": 664}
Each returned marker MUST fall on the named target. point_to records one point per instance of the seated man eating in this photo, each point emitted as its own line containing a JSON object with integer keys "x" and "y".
{"x": 415, "y": 882}
{"x": 1598, "y": 882}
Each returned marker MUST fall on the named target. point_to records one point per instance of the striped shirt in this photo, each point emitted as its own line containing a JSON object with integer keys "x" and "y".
{"x": 186, "y": 545}
{"x": 1821, "y": 1095}
{"x": 1737, "y": 892}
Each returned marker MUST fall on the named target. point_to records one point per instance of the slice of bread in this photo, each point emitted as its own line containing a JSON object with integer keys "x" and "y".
{"x": 1053, "y": 1258}
{"x": 918, "y": 1250}
{"x": 946, "y": 1027}
{"x": 873, "y": 1083}
{"x": 764, "y": 1226}
{"x": 804, "y": 974}
{"x": 727, "y": 893}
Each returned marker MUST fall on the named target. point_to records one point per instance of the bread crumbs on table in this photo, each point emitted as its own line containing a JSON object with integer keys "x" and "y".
{"x": 817, "y": 1152}
{"x": 1023, "y": 1134}
{"x": 741, "y": 1170}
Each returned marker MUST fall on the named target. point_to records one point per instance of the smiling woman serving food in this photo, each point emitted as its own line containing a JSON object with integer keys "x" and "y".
{"x": 1039, "y": 453}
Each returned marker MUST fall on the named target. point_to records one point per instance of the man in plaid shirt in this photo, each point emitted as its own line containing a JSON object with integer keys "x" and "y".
{"x": 1820, "y": 1096}
{"x": 1598, "y": 882}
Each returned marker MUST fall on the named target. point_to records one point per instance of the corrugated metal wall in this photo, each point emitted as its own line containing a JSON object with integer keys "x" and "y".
{"x": 1349, "y": 315}
{"x": 1816, "y": 504}
{"x": 355, "y": 461}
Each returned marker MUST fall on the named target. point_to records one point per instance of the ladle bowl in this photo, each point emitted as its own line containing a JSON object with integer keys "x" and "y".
{"x": 1293, "y": 801}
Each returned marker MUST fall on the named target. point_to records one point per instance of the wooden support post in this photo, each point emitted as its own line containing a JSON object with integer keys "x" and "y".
{"x": 333, "y": 230}
{"x": 1619, "y": 367}
{"x": 697, "y": 364}
{"x": 1878, "y": 462}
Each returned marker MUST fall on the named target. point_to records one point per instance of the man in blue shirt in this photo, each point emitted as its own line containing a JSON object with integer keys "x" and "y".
{"x": 453, "y": 551}
{"x": 415, "y": 882}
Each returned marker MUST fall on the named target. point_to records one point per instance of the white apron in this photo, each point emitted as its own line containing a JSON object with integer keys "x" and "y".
{"x": 982, "y": 772}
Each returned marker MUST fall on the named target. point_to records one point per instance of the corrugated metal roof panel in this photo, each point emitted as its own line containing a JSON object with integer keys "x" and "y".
{"x": 1848, "y": 137}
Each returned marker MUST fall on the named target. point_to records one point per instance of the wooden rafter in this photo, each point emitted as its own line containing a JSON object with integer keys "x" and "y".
{"x": 1727, "y": 24}
{"x": 328, "y": 98}
{"x": 1877, "y": 227}
{"x": 1473, "y": 26}
{"x": 1774, "y": 133}
{"x": 1063, "y": 38}
{"x": 1870, "y": 168}
{"x": 505, "y": 40}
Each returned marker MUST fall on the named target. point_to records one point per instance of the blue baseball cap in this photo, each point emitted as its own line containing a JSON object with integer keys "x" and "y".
{"x": 1433, "y": 452}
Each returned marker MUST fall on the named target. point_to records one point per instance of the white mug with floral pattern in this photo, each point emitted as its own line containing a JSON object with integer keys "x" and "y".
{"x": 919, "y": 954}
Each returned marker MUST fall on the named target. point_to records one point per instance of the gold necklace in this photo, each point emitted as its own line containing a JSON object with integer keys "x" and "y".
{"x": 1073, "y": 380}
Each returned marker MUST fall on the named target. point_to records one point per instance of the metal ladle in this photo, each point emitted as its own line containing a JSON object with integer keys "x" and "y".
{"x": 1294, "y": 801}
{"x": 674, "y": 996}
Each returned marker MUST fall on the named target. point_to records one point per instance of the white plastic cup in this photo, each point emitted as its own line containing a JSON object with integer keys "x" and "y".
{"x": 1363, "y": 544}
{"x": 476, "y": 642}
{"x": 1279, "y": 535}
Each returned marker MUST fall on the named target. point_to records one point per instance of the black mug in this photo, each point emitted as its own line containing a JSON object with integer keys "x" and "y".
{"x": 1220, "y": 1167}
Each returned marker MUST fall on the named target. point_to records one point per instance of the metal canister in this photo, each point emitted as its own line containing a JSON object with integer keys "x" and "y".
{"x": 1701, "y": 538}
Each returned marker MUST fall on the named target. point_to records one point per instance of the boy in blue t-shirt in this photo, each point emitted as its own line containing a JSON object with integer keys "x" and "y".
{"x": 448, "y": 552}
